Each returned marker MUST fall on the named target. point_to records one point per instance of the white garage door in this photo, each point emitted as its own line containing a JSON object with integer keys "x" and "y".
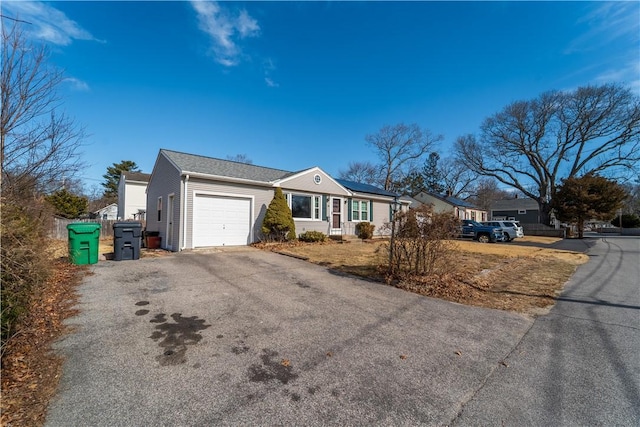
{"x": 221, "y": 221}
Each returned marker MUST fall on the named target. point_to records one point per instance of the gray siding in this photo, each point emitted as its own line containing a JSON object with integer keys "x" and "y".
{"x": 321, "y": 226}
{"x": 262, "y": 196}
{"x": 164, "y": 181}
{"x": 531, "y": 217}
{"x": 381, "y": 211}
{"x": 305, "y": 184}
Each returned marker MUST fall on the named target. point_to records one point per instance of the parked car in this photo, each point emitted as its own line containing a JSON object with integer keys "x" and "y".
{"x": 510, "y": 229}
{"x": 480, "y": 232}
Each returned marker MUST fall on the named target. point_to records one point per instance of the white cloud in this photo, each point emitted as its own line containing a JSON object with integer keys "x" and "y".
{"x": 269, "y": 66}
{"x": 77, "y": 84}
{"x": 47, "y": 23}
{"x": 270, "y": 82}
{"x": 247, "y": 26}
{"x": 628, "y": 73}
{"x": 608, "y": 22}
{"x": 225, "y": 30}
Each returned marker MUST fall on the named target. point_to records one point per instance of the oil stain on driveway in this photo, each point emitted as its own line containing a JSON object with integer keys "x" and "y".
{"x": 254, "y": 338}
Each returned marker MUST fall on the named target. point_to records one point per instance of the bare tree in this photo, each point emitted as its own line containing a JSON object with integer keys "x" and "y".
{"x": 531, "y": 145}
{"x": 39, "y": 143}
{"x": 485, "y": 191}
{"x": 240, "y": 158}
{"x": 38, "y": 146}
{"x": 363, "y": 172}
{"x": 401, "y": 149}
{"x": 457, "y": 179}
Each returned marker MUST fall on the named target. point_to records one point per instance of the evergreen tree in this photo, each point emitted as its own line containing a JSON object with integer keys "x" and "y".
{"x": 113, "y": 176}
{"x": 432, "y": 174}
{"x": 278, "y": 222}
{"x": 68, "y": 205}
{"x": 587, "y": 197}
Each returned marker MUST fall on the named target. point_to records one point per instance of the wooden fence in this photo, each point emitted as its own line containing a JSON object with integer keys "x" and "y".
{"x": 58, "y": 228}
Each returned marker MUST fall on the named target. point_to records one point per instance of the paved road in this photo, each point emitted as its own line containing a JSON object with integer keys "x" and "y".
{"x": 580, "y": 364}
{"x": 255, "y": 338}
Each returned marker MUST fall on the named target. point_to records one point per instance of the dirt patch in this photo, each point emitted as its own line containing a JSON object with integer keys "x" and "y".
{"x": 523, "y": 278}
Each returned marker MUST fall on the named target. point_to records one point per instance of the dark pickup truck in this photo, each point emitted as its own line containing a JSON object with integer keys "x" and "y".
{"x": 481, "y": 233}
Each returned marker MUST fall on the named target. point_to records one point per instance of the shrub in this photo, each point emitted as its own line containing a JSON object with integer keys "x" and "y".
{"x": 25, "y": 264}
{"x": 422, "y": 242}
{"x": 628, "y": 221}
{"x": 278, "y": 222}
{"x": 312, "y": 236}
{"x": 364, "y": 230}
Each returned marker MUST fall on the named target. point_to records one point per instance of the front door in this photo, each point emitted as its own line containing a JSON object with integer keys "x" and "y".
{"x": 336, "y": 214}
{"x": 169, "y": 244}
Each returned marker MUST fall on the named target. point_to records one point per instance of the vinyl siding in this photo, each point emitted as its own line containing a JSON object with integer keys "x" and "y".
{"x": 380, "y": 218}
{"x": 262, "y": 196}
{"x": 135, "y": 199}
{"x": 164, "y": 181}
{"x": 304, "y": 183}
{"x": 531, "y": 217}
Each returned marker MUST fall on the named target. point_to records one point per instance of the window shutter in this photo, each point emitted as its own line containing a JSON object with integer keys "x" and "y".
{"x": 348, "y": 209}
{"x": 390, "y": 212}
{"x": 370, "y": 210}
{"x": 324, "y": 207}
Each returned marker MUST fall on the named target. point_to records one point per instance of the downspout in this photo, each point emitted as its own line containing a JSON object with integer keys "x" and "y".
{"x": 184, "y": 214}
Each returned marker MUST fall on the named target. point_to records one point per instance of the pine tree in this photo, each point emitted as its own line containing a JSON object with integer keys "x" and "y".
{"x": 278, "y": 222}
{"x": 588, "y": 197}
{"x": 68, "y": 205}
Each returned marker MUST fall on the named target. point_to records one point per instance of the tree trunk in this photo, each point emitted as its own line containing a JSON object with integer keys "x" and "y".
{"x": 580, "y": 228}
{"x": 545, "y": 212}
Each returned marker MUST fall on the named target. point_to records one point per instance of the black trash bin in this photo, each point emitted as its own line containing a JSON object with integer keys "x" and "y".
{"x": 126, "y": 240}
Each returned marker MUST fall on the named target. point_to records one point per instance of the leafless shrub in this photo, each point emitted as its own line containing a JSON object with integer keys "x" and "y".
{"x": 422, "y": 243}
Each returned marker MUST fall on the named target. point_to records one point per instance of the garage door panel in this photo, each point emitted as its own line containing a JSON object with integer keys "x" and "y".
{"x": 221, "y": 221}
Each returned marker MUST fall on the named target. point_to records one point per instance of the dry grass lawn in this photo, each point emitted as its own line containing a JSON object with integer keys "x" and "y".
{"x": 523, "y": 276}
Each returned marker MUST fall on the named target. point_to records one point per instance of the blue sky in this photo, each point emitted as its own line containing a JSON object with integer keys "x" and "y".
{"x": 293, "y": 85}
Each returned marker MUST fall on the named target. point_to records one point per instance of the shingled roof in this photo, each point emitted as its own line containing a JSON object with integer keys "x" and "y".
{"x": 136, "y": 176}
{"x": 191, "y": 163}
{"x": 454, "y": 201}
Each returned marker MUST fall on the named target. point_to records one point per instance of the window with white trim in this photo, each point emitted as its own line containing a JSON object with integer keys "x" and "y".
{"x": 522, "y": 211}
{"x": 159, "y": 209}
{"x": 304, "y": 206}
{"x": 316, "y": 207}
{"x": 360, "y": 210}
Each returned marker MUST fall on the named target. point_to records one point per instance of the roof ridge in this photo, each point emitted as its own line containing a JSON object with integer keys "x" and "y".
{"x": 224, "y": 160}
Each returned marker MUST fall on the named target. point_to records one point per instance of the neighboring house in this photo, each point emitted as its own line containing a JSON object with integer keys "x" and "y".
{"x": 109, "y": 212}
{"x": 444, "y": 203}
{"x": 525, "y": 210}
{"x": 196, "y": 201}
{"x": 132, "y": 197}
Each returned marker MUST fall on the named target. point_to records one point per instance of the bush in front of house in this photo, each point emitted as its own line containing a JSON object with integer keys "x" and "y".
{"x": 278, "y": 225}
{"x": 312, "y": 237}
{"x": 364, "y": 230}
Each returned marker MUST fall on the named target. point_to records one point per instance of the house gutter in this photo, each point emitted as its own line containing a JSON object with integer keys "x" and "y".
{"x": 184, "y": 216}
{"x": 227, "y": 179}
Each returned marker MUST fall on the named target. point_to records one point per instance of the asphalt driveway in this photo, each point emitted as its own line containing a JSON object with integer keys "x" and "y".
{"x": 255, "y": 338}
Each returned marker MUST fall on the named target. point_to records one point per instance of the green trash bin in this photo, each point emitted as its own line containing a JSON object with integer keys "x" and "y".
{"x": 84, "y": 242}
